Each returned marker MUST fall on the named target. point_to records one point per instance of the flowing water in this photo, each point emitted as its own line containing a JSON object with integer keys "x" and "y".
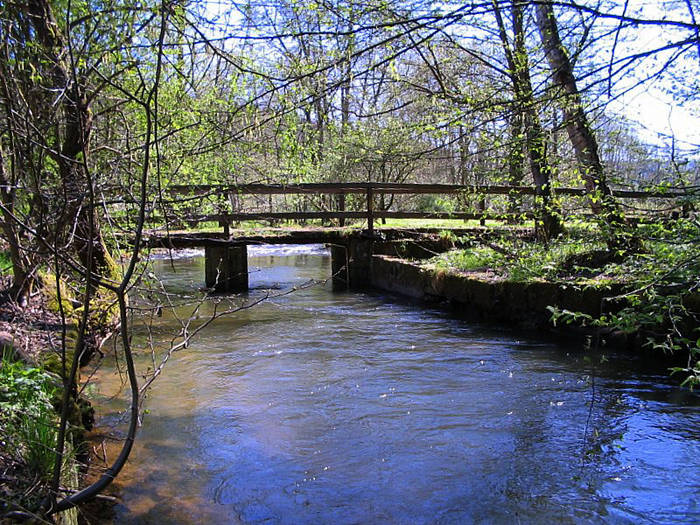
{"x": 322, "y": 407}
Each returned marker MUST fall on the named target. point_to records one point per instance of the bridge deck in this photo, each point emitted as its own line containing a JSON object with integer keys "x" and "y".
{"x": 240, "y": 237}
{"x": 176, "y": 240}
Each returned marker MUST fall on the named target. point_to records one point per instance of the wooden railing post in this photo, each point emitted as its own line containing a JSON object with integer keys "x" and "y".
{"x": 370, "y": 209}
{"x": 341, "y": 208}
{"x": 482, "y": 209}
{"x": 223, "y": 219}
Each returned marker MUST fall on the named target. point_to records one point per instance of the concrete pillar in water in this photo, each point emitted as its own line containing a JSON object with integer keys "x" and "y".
{"x": 226, "y": 268}
{"x": 351, "y": 264}
{"x": 360, "y": 269}
{"x": 340, "y": 259}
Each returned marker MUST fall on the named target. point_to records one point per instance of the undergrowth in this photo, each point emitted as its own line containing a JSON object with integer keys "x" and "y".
{"x": 28, "y": 423}
{"x": 517, "y": 259}
{"x": 5, "y": 263}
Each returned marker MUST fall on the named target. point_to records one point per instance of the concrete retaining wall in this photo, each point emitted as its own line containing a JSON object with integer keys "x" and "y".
{"x": 489, "y": 299}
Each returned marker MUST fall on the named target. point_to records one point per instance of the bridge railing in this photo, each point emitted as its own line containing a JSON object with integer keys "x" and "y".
{"x": 226, "y": 196}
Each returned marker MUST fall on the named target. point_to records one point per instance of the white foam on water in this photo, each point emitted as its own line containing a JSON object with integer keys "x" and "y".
{"x": 254, "y": 250}
{"x": 262, "y": 250}
{"x": 183, "y": 253}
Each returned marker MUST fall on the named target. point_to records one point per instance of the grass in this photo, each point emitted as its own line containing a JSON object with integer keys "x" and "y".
{"x": 38, "y": 434}
{"x": 5, "y": 263}
{"x": 27, "y": 417}
{"x": 519, "y": 260}
{"x": 442, "y": 223}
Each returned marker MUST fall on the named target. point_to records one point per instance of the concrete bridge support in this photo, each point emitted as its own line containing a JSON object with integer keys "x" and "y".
{"x": 340, "y": 261}
{"x": 350, "y": 264}
{"x": 226, "y": 268}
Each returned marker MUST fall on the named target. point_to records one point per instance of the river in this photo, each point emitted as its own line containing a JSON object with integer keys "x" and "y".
{"x": 322, "y": 407}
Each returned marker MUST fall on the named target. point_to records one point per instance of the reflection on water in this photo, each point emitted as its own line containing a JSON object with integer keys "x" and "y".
{"x": 317, "y": 407}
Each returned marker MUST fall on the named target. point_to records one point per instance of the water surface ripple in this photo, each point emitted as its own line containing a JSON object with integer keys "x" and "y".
{"x": 318, "y": 407}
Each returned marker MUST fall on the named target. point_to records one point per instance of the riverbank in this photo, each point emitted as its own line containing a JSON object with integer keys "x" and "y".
{"x": 31, "y": 394}
{"x": 27, "y": 335}
{"x": 569, "y": 308}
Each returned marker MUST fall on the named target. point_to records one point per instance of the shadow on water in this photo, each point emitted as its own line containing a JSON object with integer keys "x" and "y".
{"x": 317, "y": 407}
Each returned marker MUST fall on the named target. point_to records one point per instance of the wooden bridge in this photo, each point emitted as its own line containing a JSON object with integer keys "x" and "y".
{"x": 351, "y": 249}
{"x": 226, "y": 255}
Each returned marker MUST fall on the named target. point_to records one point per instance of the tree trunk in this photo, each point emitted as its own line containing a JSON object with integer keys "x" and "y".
{"x": 578, "y": 128}
{"x": 23, "y": 271}
{"x": 78, "y": 223}
{"x": 15, "y": 150}
{"x": 346, "y": 86}
{"x": 547, "y": 222}
{"x": 515, "y": 163}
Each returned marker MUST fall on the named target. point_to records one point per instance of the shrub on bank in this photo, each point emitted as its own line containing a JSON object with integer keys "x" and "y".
{"x": 28, "y": 424}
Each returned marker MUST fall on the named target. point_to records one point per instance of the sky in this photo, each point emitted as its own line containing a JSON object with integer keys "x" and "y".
{"x": 659, "y": 112}
{"x": 660, "y": 118}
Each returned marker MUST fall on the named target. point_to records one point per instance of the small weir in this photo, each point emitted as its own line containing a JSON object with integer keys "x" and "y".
{"x": 325, "y": 407}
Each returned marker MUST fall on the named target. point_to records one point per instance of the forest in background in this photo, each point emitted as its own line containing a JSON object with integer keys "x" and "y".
{"x": 107, "y": 104}
{"x": 101, "y": 99}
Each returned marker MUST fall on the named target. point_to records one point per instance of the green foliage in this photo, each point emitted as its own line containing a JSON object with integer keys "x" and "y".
{"x": 663, "y": 302}
{"x": 471, "y": 259}
{"x": 5, "y": 263}
{"x": 23, "y": 388}
{"x": 521, "y": 260}
{"x": 27, "y": 417}
{"x": 39, "y": 437}
{"x": 435, "y": 223}
{"x": 660, "y": 304}
{"x": 434, "y": 203}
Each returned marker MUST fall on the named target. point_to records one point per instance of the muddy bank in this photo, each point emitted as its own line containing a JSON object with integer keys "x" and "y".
{"x": 30, "y": 331}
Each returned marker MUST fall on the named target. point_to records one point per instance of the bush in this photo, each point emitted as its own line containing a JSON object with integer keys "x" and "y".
{"x": 5, "y": 263}
{"x": 27, "y": 418}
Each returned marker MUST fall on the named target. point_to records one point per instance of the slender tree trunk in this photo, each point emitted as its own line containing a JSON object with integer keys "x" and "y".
{"x": 22, "y": 267}
{"x": 463, "y": 167}
{"x": 15, "y": 150}
{"x": 515, "y": 162}
{"x": 578, "y": 128}
{"x": 346, "y": 87}
{"x": 23, "y": 277}
{"x": 548, "y": 223}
